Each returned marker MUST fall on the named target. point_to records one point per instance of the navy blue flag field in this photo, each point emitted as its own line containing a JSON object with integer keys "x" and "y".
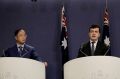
{"x": 64, "y": 37}
{"x": 105, "y": 35}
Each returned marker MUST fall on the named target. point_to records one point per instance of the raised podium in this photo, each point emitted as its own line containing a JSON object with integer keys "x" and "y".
{"x": 21, "y": 68}
{"x": 93, "y": 67}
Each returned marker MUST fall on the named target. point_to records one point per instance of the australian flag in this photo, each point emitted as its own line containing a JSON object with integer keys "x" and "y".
{"x": 64, "y": 37}
{"x": 105, "y": 36}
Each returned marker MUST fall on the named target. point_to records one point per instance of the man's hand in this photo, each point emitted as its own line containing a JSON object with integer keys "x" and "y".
{"x": 46, "y": 64}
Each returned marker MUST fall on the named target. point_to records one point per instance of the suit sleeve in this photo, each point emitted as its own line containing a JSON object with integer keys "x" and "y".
{"x": 35, "y": 55}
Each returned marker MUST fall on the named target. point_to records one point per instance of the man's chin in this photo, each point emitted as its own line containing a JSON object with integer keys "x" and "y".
{"x": 94, "y": 39}
{"x": 22, "y": 43}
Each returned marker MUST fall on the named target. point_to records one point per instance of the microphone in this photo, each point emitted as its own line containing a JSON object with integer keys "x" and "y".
{"x": 3, "y": 51}
{"x": 45, "y": 63}
{"x": 107, "y": 51}
{"x": 82, "y": 51}
{"x": 25, "y": 53}
{"x": 38, "y": 58}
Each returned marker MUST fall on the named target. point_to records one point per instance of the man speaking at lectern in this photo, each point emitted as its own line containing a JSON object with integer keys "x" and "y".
{"x": 94, "y": 47}
{"x": 21, "y": 49}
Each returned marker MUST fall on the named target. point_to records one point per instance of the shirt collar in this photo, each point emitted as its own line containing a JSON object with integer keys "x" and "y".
{"x": 18, "y": 45}
{"x": 92, "y": 41}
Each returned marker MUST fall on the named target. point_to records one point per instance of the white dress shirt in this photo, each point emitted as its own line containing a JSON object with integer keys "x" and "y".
{"x": 95, "y": 44}
{"x": 18, "y": 45}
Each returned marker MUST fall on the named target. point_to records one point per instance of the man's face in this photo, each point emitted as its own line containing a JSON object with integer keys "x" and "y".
{"x": 94, "y": 34}
{"x": 21, "y": 37}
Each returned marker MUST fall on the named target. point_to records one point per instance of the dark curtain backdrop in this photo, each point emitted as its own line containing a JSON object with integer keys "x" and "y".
{"x": 42, "y": 21}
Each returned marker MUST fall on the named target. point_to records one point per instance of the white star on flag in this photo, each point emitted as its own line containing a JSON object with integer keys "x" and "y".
{"x": 107, "y": 41}
{"x": 64, "y": 43}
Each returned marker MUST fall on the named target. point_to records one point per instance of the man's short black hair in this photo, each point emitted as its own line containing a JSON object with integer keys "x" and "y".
{"x": 94, "y": 26}
{"x": 18, "y": 30}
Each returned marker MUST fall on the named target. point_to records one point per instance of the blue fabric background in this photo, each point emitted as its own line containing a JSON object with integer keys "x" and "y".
{"x": 42, "y": 21}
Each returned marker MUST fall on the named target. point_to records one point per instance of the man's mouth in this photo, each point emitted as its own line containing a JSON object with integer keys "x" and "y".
{"x": 93, "y": 36}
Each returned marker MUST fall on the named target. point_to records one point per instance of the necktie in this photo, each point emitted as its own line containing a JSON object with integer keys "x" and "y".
{"x": 21, "y": 50}
{"x": 92, "y": 48}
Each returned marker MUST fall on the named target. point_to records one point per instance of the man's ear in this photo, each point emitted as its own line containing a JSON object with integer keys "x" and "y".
{"x": 99, "y": 34}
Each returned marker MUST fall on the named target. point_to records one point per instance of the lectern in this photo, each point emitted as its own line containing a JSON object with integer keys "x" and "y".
{"x": 21, "y": 68}
{"x": 93, "y": 67}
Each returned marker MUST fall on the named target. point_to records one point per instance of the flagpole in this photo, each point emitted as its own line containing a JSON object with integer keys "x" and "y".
{"x": 106, "y": 3}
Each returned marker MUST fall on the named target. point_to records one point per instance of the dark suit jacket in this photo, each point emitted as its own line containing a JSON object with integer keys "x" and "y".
{"x": 101, "y": 49}
{"x": 28, "y": 52}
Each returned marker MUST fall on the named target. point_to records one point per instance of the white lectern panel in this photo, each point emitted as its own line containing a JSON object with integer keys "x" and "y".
{"x": 93, "y": 67}
{"x": 21, "y": 68}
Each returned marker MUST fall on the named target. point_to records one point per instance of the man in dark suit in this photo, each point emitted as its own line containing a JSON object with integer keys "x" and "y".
{"x": 94, "y": 47}
{"x": 21, "y": 49}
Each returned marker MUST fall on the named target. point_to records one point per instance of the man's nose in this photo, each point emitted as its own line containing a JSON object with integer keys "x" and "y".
{"x": 94, "y": 33}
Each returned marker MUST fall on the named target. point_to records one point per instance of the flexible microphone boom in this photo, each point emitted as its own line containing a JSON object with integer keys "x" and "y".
{"x": 3, "y": 51}
{"x": 82, "y": 51}
{"x": 25, "y": 53}
{"x": 107, "y": 51}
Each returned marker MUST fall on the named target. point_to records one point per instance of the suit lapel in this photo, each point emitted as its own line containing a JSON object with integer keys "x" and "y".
{"x": 16, "y": 53}
{"x": 97, "y": 48}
